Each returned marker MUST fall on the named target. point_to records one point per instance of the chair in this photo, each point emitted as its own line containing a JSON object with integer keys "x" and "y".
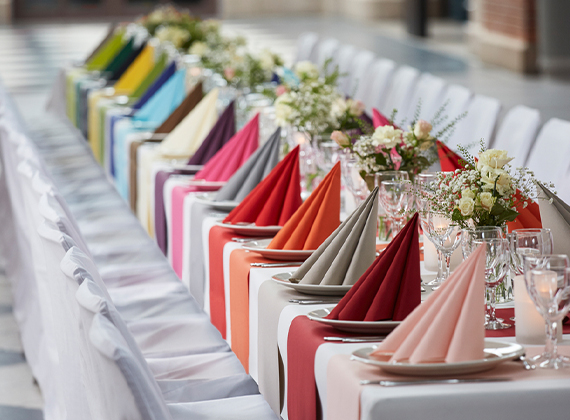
{"x": 517, "y": 133}
{"x": 306, "y": 44}
{"x": 549, "y": 155}
{"x": 457, "y": 99}
{"x": 344, "y": 58}
{"x": 326, "y": 49}
{"x": 401, "y": 90}
{"x": 358, "y": 72}
{"x": 430, "y": 91}
{"x": 376, "y": 83}
{"x": 479, "y": 123}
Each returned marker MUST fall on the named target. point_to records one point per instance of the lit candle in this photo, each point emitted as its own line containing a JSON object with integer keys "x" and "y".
{"x": 529, "y": 323}
{"x": 430, "y": 256}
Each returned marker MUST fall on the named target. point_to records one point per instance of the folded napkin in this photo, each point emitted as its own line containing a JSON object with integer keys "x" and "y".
{"x": 233, "y": 155}
{"x": 390, "y": 287}
{"x": 182, "y": 110}
{"x": 378, "y": 119}
{"x": 275, "y": 199}
{"x": 219, "y": 135}
{"x": 136, "y": 72}
{"x": 528, "y": 218}
{"x": 106, "y": 51}
{"x": 188, "y": 135}
{"x": 153, "y": 89}
{"x": 252, "y": 172}
{"x": 316, "y": 219}
{"x": 449, "y": 326}
{"x": 556, "y": 217}
{"x": 123, "y": 60}
{"x": 448, "y": 159}
{"x": 346, "y": 254}
{"x": 157, "y": 69}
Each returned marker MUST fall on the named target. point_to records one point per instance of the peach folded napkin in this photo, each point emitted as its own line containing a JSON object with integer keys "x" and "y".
{"x": 233, "y": 154}
{"x": 449, "y": 326}
{"x": 316, "y": 219}
{"x": 252, "y": 172}
{"x": 556, "y": 217}
{"x": 275, "y": 199}
{"x": 347, "y": 252}
{"x": 390, "y": 287}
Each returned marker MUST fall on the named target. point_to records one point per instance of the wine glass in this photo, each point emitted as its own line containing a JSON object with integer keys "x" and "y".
{"x": 446, "y": 236}
{"x": 385, "y": 231}
{"x": 352, "y": 179}
{"x": 328, "y": 155}
{"x": 528, "y": 242}
{"x": 476, "y": 234}
{"x": 395, "y": 197}
{"x": 496, "y": 254}
{"x": 547, "y": 279}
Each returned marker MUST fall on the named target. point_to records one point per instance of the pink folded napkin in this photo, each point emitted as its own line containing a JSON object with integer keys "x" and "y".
{"x": 233, "y": 154}
{"x": 449, "y": 326}
{"x": 378, "y": 119}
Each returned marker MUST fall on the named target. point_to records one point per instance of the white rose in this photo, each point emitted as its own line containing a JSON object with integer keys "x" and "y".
{"x": 338, "y": 108}
{"x": 387, "y": 136}
{"x": 199, "y": 48}
{"x": 467, "y": 194}
{"x": 266, "y": 60}
{"x": 306, "y": 70}
{"x": 340, "y": 138}
{"x": 503, "y": 180}
{"x": 356, "y": 107}
{"x": 487, "y": 200}
{"x": 494, "y": 158}
{"x": 466, "y": 206}
{"x": 282, "y": 110}
{"x": 422, "y": 129}
{"x": 504, "y": 184}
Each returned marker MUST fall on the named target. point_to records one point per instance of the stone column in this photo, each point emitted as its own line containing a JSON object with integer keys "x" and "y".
{"x": 553, "y": 35}
{"x": 504, "y": 33}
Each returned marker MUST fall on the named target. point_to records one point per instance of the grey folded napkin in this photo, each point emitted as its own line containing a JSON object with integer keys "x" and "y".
{"x": 252, "y": 171}
{"x": 556, "y": 217}
{"x": 348, "y": 252}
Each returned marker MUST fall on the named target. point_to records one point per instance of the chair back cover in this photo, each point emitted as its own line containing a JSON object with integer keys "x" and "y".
{"x": 358, "y": 72}
{"x": 430, "y": 91}
{"x": 400, "y": 93}
{"x": 306, "y": 44}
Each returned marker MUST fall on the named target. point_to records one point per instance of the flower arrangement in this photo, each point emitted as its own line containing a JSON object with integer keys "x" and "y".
{"x": 169, "y": 24}
{"x": 312, "y": 104}
{"x": 390, "y": 148}
{"x": 485, "y": 192}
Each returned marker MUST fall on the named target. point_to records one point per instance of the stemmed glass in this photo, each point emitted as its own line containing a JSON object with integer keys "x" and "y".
{"x": 446, "y": 236}
{"x": 528, "y": 242}
{"x": 385, "y": 231}
{"x": 352, "y": 179}
{"x": 395, "y": 197}
{"x": 478, "y": 233}
{"x": 496, "y": 267}
{"x": 547, "y": 279}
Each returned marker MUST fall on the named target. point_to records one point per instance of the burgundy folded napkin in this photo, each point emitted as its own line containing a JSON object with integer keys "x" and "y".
{"x": 275, "y": 199}
{"x": 219, "y": 135}
{"x": 390, "y": 288}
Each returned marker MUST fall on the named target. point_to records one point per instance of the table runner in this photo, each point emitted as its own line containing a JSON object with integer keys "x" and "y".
{"x": 343, "y": 397}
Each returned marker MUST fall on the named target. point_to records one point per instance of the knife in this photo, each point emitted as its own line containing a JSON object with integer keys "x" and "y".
{"x": 355, "y": 339}
{"x": 281, "y": 264}
{"x": 432, "y": 381}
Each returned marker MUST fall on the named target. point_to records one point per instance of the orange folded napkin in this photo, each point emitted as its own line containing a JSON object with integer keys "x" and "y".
{"x": 347, "y": 252}
{"x": 275, "y": 199}
{"x": 390, "y": 288}
{"x": 449, "y": 326}
{"x": 316, "y": 219}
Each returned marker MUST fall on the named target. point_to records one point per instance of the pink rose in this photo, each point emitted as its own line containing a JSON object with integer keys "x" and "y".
{"x": 422, "y": 129}
{"x": 229, "y": 73}
{"x": 340, "y": 138}
{"x": 280, "y": 90}
{"x": 357, "y": 108}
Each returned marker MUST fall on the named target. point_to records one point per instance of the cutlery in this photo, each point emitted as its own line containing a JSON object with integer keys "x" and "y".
{"x": 355, "y": 339}
{"x": 282, "y": 264}
{"x": 432, "y": 381}
{"x": 312, "y": 301}
{"x": 528, "y": 365}
{"x": 245, "y": 240}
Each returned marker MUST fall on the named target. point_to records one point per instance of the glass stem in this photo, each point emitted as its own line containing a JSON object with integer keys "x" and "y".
{"x": 492, "y": 303}
{"x": 447, "y": 265}
{"x": 551, "y": 339}
{"x": 439, "y": 264}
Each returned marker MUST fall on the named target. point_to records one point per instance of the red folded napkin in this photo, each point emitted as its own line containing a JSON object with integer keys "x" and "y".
{"x": 378, "y": 119}
{"x": 448, "y": 159}
{"x": 390, "y": 288}
{"x": 528, "y": 218}
{"x": 233, "y": 154}
{"x": 275, "y": 199}
{"x": 316, "y": 219}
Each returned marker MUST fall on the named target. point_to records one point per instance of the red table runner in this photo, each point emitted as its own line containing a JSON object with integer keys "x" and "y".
{"x": 305, "y": 337}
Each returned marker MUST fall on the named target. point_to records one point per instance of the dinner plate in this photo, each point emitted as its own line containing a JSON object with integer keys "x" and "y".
{"x": 260, "y": 246}
{"x": 200, "y": 183}
{"x": 250, "y": 229}
{"x": 209, "y": 198}
{"x": 496, "y": 352}
{"x": 310, "y": 289}
{"x": 362, "y": 327}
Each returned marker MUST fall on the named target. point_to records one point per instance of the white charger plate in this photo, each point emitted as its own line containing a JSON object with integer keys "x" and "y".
{"x": 496, "y": 352}
{"x": 200, "y": 183}
{"x": 310, "y": 289}
{"x": 260, "y": 246}
{"x": 250, "y": 229}
{"x": 209, "y": 199}
{"x": 362, "y": 327}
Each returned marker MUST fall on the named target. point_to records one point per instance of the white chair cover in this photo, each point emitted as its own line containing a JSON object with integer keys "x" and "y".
{"x": 401, "y": 90}
{"x": 430, "y": 91}
{"x": 358, "y": 72}
{"x": 306, "y": 44}
{"x": 517, "y": 133}
{"x": 326, "y": 49}
{"x": 373, "y": 91}
{"x": 344, "y": 58}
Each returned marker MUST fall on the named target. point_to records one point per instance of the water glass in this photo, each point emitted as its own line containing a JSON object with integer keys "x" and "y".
{"x": 395, "y": 197}
{"x": 445, "y": 234}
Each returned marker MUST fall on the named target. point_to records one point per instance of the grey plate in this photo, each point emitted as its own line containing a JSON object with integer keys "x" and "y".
{"x": 363, "y": 327}
{"x": 311, "y": 289}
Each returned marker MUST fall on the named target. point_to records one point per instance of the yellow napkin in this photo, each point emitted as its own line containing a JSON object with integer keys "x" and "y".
{"x": 136, "y": 72}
